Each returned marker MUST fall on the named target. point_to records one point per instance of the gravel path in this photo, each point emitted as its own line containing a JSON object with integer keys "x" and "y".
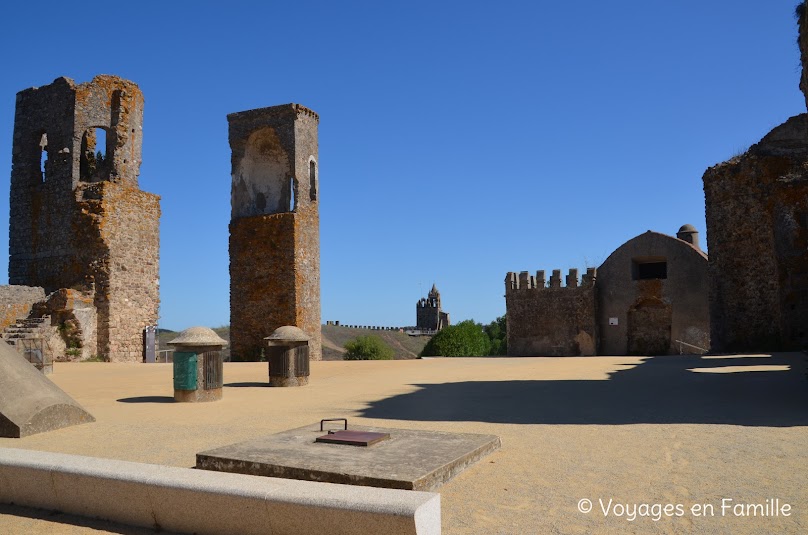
{"x": 639, "y": 432}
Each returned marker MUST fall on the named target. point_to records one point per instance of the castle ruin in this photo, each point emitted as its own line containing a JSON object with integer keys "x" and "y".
{"x": 648, "y": 298}
{"x": 274, "y": 227}
{"x": 80, "y": 227}
{"x": 757, "y": 234}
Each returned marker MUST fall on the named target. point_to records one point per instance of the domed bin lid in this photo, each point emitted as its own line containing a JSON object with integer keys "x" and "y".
{"x": 198, "y": 336}
{"x": 287, "y": 333}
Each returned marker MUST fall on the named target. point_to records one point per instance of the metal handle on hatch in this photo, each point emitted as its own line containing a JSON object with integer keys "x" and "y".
{"x": 333, "y": 420}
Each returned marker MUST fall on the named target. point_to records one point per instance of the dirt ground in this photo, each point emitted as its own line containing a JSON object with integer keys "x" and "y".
{"x": 630, "y": 434}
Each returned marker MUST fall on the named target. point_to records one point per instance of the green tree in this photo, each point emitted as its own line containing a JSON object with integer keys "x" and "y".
{"x": 496, "y": 331}
{"x": 368, "y": 348}
{"x": 466, "y": 339}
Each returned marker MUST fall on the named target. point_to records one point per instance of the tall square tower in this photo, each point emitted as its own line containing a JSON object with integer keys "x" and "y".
{"x": 274, "y": 227}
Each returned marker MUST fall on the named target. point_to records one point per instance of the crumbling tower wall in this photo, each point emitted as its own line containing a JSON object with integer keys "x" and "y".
{"x": 78, "y": 218}
{"x": 757, "y": 234}
{"x": 274, "y": 227}
{"x": 802, "y": 41}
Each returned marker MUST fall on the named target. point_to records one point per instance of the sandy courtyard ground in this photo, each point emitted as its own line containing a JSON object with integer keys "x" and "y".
{"x": 685, "y": 431}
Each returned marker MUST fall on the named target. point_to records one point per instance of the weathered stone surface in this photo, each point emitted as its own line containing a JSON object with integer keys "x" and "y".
{"x": 409, "y": 459}
{"x": 428, "y": 312}
{"x": 29, "y": 402}
{"x": 649, "y": 293}
{"x": 757, "y": 234}
{"x": 182, "y": 500}
{"x": 652, "y": 313}
{"x": 76, "y": 316}
{"x": 16, "y": 302}
{"x": 549, "y": 321}
{"x": 274, "y": 228}
{"x": 802, "y": 40}
{"x": 82, "y": 223}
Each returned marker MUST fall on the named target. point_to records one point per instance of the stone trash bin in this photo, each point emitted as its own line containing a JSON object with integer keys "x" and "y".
{"x": 197, "y": 365}
{"x": 288, "y": 357}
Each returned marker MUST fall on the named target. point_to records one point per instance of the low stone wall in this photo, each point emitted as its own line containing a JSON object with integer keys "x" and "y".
{"x": 185, "y": 500}
{"x": 16, "y": 302}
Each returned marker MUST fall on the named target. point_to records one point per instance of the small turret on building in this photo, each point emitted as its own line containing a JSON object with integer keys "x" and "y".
{"x": 429, "y": 315}
{"x": 689, "y": 234}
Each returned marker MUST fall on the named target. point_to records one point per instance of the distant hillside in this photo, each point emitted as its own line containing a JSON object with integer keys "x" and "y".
{"x": 334, "y": 338}
{"x": 406, "y": 347}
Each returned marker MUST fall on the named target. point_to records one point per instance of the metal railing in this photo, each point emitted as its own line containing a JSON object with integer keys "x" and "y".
{"x": 682, "y": 343}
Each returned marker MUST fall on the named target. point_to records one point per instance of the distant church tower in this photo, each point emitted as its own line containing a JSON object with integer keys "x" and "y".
{"x": 274, "y": 227}
{"x": 428, "y": 313}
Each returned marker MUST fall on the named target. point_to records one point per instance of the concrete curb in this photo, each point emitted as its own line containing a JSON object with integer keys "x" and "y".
{"x": 199, "y": 501}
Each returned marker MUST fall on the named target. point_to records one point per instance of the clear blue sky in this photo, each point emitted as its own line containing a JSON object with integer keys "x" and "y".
{"x": 458, "y": 140}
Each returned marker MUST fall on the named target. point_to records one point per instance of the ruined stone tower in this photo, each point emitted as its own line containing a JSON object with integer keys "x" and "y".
{"x": 274, "y": 227}
{"x": 757, "y": 234}
{"x": 78, "y": 218}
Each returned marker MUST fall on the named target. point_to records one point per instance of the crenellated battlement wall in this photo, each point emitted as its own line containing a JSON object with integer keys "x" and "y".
{"x": 548, "y": 318}
{"x": 525, "y": 281}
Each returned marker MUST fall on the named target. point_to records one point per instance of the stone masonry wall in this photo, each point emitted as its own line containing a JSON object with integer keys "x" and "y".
{"x": 16, "y": 302}
{"x": 261, "y": 253}
{"x": 307, "y": 230}
{"x": 127, "y": 278}
{"x": 427, "y": 316}
{"x": 757, "y": 234}
{"x": 274, "y": 229}
{"x": 554, "y": 321}
{"x": 646, "y": 316}
{"x": 802, "y": 41}
{"x": 83, "y": 224}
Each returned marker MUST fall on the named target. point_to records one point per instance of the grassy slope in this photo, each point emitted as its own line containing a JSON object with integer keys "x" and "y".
{"x": 334, "y": 338}
{"x": 406, "y": 347}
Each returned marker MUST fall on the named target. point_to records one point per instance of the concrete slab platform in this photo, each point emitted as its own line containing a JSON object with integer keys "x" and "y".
{"x": 409, "y": 459}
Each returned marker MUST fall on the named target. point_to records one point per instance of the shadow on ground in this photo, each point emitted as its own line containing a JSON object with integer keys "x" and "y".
{"x": 147, "y": 399}
{"x": 731, "y": 390}
{"x": 61, "y": 518}
{"x": 247, "y": 385}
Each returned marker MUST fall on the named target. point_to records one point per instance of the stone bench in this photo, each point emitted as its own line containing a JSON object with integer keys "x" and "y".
{"x": 199, "y": 501}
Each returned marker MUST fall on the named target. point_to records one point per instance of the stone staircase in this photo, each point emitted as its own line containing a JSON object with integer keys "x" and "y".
{"x": 30, "y": 336}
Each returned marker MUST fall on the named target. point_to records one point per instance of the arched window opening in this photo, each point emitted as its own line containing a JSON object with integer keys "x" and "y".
{"x": 43, "y": 157}
{"x": 95, "y": 160}
{"x": 292, "y": 203}
{"x": 312, "y": 181}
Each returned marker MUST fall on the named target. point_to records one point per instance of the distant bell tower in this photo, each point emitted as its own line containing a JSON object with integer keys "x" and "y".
{"x": 428, "y": 313}
{"x": 274, "y": 227}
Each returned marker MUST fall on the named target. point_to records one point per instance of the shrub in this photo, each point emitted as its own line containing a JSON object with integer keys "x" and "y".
{"x": 496, "y": 331}
{"x": 368, "y": 348}
{"x": 466, "y": 339}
